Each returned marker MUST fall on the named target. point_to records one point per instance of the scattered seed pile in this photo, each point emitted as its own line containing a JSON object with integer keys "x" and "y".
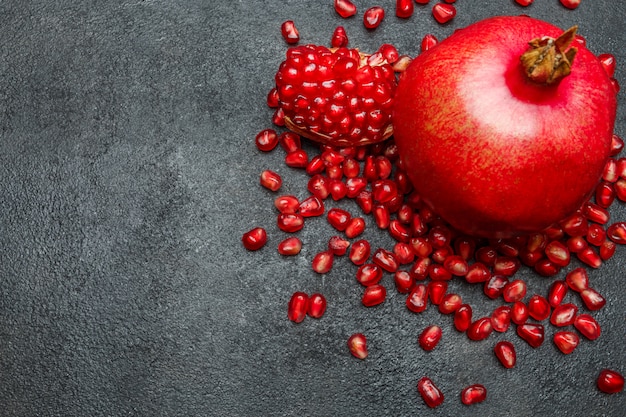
{"x": 349, "y": 95}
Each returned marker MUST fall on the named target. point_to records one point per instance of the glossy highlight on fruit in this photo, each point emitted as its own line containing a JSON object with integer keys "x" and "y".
{"x": 499, "y": 146}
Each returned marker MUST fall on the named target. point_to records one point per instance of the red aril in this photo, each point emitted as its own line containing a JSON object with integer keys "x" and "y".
{"x": 290, "y": 32}
{"x": 373, "y": 17}
{"x": 338, "y": 218}
{"x": 564, "y": 315}
{"x": 538, "y": 307}
{"x": 485, "y": 101}
{"x": 345, "y": 8}
{"x": 298, "y": 306}
{"x": 339, "y": 38}
{"x": 514, "y": 291}
{"x": 587, "y": 326}
{"x": 417, "y": 300}
{"x": 428, "y": 42}
{"x": 505, "y": 352}
{"x": 566, "y": 341}
{"x": 338, "y": 245}
{"x": 431, "y": 394}
{"x": 266, "y": 140}
{"x": 437, "y": 291}
{"x": 519, "y": 312}
{"x": 610, "y": 381}
{"x": 429, "y": 337}
{"x": 524, "y": 2}
{"x": 287, "y": 204}
{"x": 404, "y": 8}
{"x": 290, "y": 222}
{"x": 359, "y": 252}
{"x": 608, "y": 63}
{"x": 374, "y": 295}
{"x": 494, "y": 286}
{"x": 254, "y": 239}
{"x": 290, "y": 246}
{"x": 473, "y": 394}
{"x": 570, "y": 4}
{"x": 480, "y": 329}
{"x": 443, "y": 12}
{"x": 557, "y": 293}
{"x": 463, "y": 317}
{"x": 501, "y": 318}
{"x": 311, "y": 206}
{"x": 532, "y": 333}
{"x": 404, "y": 281}
{"x": 317, "y": 306}
{"x": 357, "y": 344}
{"x": 577, "y": 279}
{"x": 369, "y": 274}
{"x": 592, "y": 299}
{"x": 450, "y": 303}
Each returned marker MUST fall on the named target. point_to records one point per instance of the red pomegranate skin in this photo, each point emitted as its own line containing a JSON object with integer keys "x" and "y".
{"x": 494, "y": 153}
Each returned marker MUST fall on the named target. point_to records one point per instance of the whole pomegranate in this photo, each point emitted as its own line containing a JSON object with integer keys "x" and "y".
{"x": 504, "y": 127}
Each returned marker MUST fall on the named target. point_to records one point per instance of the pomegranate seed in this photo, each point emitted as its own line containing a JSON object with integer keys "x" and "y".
{"x": 381, "y": 216}
{"x": 532, "y": 333}
{"x": 399, "y": 231}
{"x": 318, "y": 185}
{"x": 421, "y": 246}
{"x": 290, "y": 141}
{"x": 440, "y": 236}
{"x": 443, "y": 12}
{"x": 607, "y": 250}
{"x": 359, "y": 252}
{"x": 339, "y": 38}
{"x": 386, "y": 260}
{"x": 595, "y": 213}
{"x": 564, "y": 315}
{"x": 369, "y": 274}
{"x": 315, "y": 166}
{"x": 463, "y": 317}
{"x": 290, "y": 32}
{"x": 587, "y": 326}
{"x": 617, "y": 233}
{"x": 477, "y": 272}
{"x": 437, "y": 291}
{"x": 473, "y": 394}
{"x": 574, "y": 225}
{"x": 450, "y": 303}
{"x": 514, "y": 291}
{"x": 278, "y": 118}
{"x": 576, "y": 244}
{"x": 337, "y": 189}
{"x": 437, "y": 272}
{"x": 590, "y": 257}
{"x": 356, "y": 189}
{"x": 404, "y": 281}
{"x": 355, "y": 227}
{"x": 546, "y": 268}
{"x": 557, "y": 252}
{"x": 404, "y": 8}
{"x": 524, "y": 2}
{"x": 577, "y": 279}
{"x": 338, "y": 245}
{"x": 404, "y": 253}
{"x": 456, "y": 265}
{"x": 357, "y": 343}
{"x": 432, "y": 396}
{"x": 480, "y": 329}
{"x": 290, "y": 246}
{"x": 439, "y": 255}
{"x": 254, "y": 239}
{"x": 610, "y": 381}
{"x": 617, "y": 144}
{"x": 428, "y": 42}
{"x": 494, "y": 286}
{"x": 505, "y": 352}
{"x": 592, "y": 299}
{"x": 610, "y": 173}
{"x": 430, "y": 337}
{"x": 345, "y": 8}
{"x": 402, "y": 63}
{"x": 338, "y": 218}
{"x": 417, "y": 300}
{"x": 297, "y": 159}
{"x": 298, "y": 306}
{"x": 272, "y": 102}
{"x": 373, "y": 17}
{"x": 311, "y": 207}
{"x": 317, "y": 306}
{"x": 501, "y": 318}
{"x": 605, "y": 194}
{"x": 323, "y": 262}
{"x": 506, "y": 265}
{"x": 374, "y": 295}
{"x": 290, "y": 223}
{"x": 596, "y": 234}
{"x": 566, "y": 341}
{"x": 570, "y": 4}
{"x": 266, "y": 140}
{"x": 519, "y": 312}
{"x": 620, "y": 189}
{"x": 557, "y": 293}
{"x": 538, "y": 307}
{"x": 391, "y": 55}
{"x": 287, "y": 204}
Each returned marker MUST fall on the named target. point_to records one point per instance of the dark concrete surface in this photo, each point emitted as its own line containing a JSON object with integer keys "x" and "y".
{"x": 128, "y": 174}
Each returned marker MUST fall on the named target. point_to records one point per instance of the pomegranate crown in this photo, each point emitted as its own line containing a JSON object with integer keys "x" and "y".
{"x": 548, "y": 60}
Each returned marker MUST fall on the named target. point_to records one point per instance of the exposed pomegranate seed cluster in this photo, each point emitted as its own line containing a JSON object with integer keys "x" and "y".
{"x": 342, "y": 96}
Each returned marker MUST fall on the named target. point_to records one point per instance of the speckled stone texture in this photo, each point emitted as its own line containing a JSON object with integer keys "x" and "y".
{"x": 128, "y": 173}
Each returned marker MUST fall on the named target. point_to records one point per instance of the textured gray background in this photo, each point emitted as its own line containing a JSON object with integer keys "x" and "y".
{"x": 128, "y": 174}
